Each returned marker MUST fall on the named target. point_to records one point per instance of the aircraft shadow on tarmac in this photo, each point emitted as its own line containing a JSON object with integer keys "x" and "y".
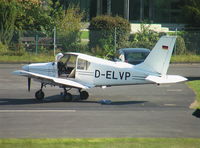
{"x": 125, "y": 102}
{"x": 114, "y": 102}
{"x": 196, "y": 113}
{"x": 57, "y": 98}
{"x": 193, "y": 78}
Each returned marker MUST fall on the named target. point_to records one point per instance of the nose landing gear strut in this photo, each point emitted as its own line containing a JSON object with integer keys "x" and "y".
{"x": 39, "y": 95}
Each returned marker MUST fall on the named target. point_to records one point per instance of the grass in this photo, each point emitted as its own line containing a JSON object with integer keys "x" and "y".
{"x": 84, "y": 34}
{"x": 27, "y": 58}
{"x": 185, "y": 59}
{"x": 195, "y": 86}
{"x": 102, "y": 143}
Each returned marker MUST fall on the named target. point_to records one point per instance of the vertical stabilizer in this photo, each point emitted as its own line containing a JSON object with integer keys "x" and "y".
{"x": 159, "y": 58}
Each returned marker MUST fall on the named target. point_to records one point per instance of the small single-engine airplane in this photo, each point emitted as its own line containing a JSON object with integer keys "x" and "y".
{"x": 81, "y": 71}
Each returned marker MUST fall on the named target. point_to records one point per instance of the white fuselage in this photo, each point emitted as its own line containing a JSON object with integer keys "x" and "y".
{"x": 114, "y": 73}
{"x": 99, "y": 72}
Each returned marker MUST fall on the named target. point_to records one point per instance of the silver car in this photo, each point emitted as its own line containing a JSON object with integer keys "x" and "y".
{"x": 133, "y": 55}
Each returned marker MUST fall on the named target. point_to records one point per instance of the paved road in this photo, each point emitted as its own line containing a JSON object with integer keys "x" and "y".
{"x": 136, "y": 111}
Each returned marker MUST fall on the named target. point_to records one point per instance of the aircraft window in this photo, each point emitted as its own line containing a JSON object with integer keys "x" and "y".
{"x": 70, "y": 60}
{"x": 83, "y": 64}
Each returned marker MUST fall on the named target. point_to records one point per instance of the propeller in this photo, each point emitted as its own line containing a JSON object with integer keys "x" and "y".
{"x": 29, "y": 84}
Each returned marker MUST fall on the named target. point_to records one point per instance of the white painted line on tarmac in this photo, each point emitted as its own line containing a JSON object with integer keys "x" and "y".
{"x": 164, "y": 86}
{"x": 175, "y": 90}
{"x": 169, "y": 104}
{"x": 37, "y": 111}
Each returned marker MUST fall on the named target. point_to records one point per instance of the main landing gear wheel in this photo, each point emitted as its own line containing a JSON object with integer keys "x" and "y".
{"x": 39, "y": 95}
{"x": 84, "y": 95}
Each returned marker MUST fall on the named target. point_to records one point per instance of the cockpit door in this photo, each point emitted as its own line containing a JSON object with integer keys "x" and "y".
{"x": 67, "y": 66}
{"x": 84, "y": 71}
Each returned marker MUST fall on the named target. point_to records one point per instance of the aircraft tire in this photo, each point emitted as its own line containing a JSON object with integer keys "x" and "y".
{"x": 67, "y": 97}
{"x": 84, "y": 95}
{"x": 39, "y": 95}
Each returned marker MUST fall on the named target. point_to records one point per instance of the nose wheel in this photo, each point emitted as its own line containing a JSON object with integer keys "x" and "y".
{"x": 39, "y": 95}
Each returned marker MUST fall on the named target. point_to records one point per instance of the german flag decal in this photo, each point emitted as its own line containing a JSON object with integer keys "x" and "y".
{"x": 164, "y": 47}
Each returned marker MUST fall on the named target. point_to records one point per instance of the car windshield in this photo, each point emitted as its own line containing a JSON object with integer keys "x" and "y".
{"x": 135, "y": 56}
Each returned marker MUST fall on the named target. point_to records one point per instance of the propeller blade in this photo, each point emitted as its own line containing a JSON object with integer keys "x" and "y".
{"x": 29, "y": 84}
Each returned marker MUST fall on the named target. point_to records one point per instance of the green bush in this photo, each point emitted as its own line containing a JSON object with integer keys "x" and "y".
{"x": 180, "y": 46}
{"x": 79, "y": 47}
{"x": 102, "y": 34}
{"x": 145, "y": 38}
{"x": 148, "y": 38}
{"x": 6, "y": 51}
{"x": 3, "y": 48}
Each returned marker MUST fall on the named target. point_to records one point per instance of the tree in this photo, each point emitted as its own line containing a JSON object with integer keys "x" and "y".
{"x": 37, "y": 15}
{"x": 146, "y": 38}
{"x": 8, "y": 13}
{"x": 69, "y": 27}
{"x": 108, "y": 33}
{"x": 191, "y": 12}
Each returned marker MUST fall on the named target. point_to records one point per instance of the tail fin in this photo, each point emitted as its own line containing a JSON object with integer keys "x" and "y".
{"x": 158, "y": 59}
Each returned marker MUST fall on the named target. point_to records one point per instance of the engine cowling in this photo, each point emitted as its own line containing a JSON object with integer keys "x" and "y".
{"x": 48, "y": 69}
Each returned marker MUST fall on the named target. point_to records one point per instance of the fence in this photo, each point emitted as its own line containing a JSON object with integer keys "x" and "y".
{"x": 192, "y": 41}
{"x": 37, "y": 42}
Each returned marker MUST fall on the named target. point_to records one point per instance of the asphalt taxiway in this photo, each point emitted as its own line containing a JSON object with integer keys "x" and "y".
{"x": 135, "y": 111}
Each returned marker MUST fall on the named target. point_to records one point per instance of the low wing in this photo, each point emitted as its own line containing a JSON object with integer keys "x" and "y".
{"x": 53, "y": 80}
{"x": 166, "y": 79}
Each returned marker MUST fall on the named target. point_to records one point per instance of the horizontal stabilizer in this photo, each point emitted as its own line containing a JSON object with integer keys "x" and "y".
{"x": 166, "y": 79}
